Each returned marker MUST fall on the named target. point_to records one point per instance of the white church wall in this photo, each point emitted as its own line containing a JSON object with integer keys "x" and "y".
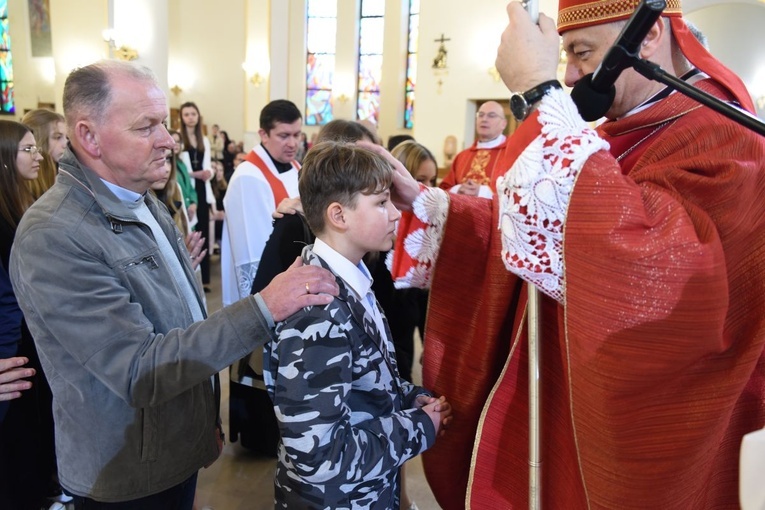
{"x": 474, "y": 31}
{"x": 735, "y": 36}
{"x": 206, "y": 52}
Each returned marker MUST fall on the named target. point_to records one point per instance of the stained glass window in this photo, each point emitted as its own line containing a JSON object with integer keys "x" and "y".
{"x": 321, "y": 27}
{"x": 371, "y": 25}
{"x": 411, "y": 63}
{"x": 7, "y": 103}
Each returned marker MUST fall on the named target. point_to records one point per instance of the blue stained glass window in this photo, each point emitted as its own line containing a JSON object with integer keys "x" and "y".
{"x": 320, "y": 35}
{"x": 368, "y": 105}
{"x": 371, "y": 29}
{"x": 414, "y": 32}
{"x": 411, "y": 63}
{"x": 322, "y": 9}
{"x": 371, "y": 8}
{"x": 7, "y": 102}
{"x": 318, "y": 105}
{"x": 321, "y": 28}
{"x": 371, "y": 36}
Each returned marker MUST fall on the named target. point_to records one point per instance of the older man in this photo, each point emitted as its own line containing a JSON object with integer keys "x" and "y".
{"x": 475, "y": 170}
{"x": 654, "y": 309}
{"x": 107, "y": 287}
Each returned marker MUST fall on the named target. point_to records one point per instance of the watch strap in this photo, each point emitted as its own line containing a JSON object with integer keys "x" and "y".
{"x": 535, "y": 94}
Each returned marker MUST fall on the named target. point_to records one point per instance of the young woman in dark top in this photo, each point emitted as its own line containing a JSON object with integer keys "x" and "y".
{"x": 27, "y": 450}
{"x": 198, "y": 147}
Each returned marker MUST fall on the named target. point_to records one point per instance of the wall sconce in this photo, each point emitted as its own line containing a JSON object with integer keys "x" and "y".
{"x": 120, "y": 51}
{"x": 440, "y": 61}
{"x": 256, "y": 79}
{"x": 343, "y": 98}
{"x": 494, "y": 73}
{"x": 176, "y": 90}
{"x": 253, "y": 75}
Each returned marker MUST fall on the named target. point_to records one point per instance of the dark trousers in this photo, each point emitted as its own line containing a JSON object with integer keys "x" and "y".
{"x": 27, "y": 449}
{"x": 180, "y": 497}
{"x": 203, "y": 225}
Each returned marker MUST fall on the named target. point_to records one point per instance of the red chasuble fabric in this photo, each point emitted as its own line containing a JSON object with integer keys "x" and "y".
{"x": 463, "y": 162}
{"x": 654, "y": 369}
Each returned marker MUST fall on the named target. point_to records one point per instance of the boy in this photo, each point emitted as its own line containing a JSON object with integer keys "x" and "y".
{"x": 347, "y": 420}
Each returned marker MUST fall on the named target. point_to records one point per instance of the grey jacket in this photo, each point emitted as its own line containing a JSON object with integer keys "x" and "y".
{"x": 130, "y": 373}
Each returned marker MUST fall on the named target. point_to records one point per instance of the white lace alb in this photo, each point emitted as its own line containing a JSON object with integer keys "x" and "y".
{"x": 535, "y": 193}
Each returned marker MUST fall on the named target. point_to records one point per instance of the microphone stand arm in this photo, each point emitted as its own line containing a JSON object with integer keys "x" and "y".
{"x": 656, "y": 73}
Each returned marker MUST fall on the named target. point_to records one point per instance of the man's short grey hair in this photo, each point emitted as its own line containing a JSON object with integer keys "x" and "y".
{"x": 87, "y": 91}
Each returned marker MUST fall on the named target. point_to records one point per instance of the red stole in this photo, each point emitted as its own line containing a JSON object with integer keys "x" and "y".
{"x": 277, "y": 186}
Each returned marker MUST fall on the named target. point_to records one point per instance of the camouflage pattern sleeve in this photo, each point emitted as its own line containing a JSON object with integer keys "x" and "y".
{"x": 340, "y": 408}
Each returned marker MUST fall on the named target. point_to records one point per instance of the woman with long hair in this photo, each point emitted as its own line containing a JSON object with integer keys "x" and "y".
{"x": 27, "y": 452}
{"x": 418, "y": 160}
{"x": 49, "y": 130}
{"x": 198, "y": 148}
{"x": 168, "y": 191}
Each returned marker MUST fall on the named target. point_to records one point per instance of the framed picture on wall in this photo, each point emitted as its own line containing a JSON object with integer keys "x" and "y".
{"x": 39, "y": 28}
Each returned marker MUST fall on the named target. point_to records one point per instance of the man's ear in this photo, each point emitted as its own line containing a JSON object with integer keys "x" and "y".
{"x": 263, "y": 135}
{"x": 336, "y": 216}
{"x": 652, "y": 41}
{"x": 87, "y": 138}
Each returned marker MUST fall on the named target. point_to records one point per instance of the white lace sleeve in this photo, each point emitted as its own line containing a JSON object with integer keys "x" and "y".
{"x": 421, "y": 245}
{"x": 534, "y": 194}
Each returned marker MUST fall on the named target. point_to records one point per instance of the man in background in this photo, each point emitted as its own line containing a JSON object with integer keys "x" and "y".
{"x": 268, "y": 175}
{"x": 475, "y": 170}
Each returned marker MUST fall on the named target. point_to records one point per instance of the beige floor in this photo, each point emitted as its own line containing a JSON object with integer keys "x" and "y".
{"x": 240, "y": 480}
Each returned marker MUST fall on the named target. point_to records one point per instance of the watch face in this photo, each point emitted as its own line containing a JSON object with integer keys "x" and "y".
{"x": 518, "y": 106}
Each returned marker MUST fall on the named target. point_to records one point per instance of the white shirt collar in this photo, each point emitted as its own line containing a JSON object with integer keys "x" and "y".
{"x": 491, "y": 143}
{"x": 357, "y": 277}
{"x": 124, "y": 194}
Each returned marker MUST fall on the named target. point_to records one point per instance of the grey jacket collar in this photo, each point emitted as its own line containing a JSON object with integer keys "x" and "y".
{"x": 74, "y": 173}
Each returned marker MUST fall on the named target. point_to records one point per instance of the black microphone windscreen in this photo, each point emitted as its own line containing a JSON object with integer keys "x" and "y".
{"x": 591, "y": 103}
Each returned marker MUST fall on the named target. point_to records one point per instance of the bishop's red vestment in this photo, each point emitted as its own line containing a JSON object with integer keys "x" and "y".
{"x": 653, "y": 338}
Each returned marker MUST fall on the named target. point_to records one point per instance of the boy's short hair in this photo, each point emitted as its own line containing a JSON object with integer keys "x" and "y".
{"x": 338, "y": 172}
{"x": 341, "y": 130}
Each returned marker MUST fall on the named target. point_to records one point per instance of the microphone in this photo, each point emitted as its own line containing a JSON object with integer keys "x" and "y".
{"x": 594, "y": 93}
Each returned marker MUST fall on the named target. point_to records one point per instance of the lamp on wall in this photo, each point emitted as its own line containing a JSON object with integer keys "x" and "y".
{"x": 253, "y": 75}
{"x": 343, "y": 86}
{"x": 176, "y": 90}
{"x": 120, "y": 50}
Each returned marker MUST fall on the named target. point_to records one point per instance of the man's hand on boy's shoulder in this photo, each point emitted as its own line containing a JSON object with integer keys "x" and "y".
{"x": 298, "y": 287}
